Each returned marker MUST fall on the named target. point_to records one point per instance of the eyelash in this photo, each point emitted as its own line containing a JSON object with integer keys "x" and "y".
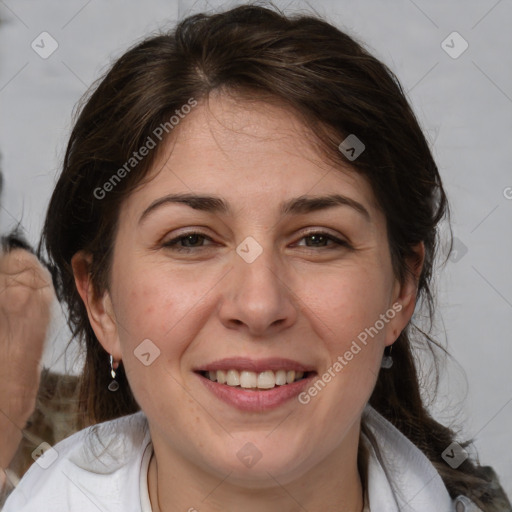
{"x": 172, "y": 244}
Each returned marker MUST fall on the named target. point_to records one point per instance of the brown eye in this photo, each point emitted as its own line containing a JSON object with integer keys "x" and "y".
{"x": 189, "y": 239}
{"x": 321, "y": 238}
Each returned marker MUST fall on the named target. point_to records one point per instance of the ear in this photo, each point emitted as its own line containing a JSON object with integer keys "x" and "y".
{"x": 99, "y": 308}
{"x": 404, "y": 294}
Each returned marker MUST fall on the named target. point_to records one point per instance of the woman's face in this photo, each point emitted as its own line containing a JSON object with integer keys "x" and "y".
{"x": 272, "y": 282}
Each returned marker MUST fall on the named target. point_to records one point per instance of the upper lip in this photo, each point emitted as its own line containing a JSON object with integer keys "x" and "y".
{"x": 255, "y": 365}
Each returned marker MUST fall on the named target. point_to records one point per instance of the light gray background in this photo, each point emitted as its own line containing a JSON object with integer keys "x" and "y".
{"x": 464, "y": 106}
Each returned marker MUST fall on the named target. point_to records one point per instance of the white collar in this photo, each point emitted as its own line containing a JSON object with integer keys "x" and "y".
{"x": 408, "y": 482}
{"x": 106, "y": 465}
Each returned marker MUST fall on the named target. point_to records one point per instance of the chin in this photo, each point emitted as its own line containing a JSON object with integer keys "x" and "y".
{"x": 259, "y": 469}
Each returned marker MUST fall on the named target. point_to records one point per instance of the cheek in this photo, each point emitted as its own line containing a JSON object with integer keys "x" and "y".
{"x": 166, "y": 308}
{"x": 149, "y": 312}
{"x": 347, "y": 303}
{"x": 153, "y": 305}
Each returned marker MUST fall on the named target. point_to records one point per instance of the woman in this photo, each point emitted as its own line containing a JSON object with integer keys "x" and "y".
{"x": 246, "y": 216}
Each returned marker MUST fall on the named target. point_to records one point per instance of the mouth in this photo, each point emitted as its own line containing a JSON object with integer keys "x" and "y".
{"x": 255, "y": 385}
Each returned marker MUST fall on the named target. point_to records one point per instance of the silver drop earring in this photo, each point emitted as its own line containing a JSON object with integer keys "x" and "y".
{"x": 387, "y": 360}
{"x": 114, "y": 385}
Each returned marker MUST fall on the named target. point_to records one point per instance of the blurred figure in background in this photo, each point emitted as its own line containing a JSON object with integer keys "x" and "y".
{"x": 29, "y": 396}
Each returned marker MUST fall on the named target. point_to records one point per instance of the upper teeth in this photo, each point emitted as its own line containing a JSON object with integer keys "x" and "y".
{"x": 263, "y": 380}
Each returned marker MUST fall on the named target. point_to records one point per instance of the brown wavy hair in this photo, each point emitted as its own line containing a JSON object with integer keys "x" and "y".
{"x": 337, "y": 88}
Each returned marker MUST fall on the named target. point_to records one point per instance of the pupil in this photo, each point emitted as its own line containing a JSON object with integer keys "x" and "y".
{"x": 316, "y": 238}
{"x": 192, "y": 238}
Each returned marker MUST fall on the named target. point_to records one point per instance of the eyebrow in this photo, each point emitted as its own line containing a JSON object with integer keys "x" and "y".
{"x": 295, "y": 206}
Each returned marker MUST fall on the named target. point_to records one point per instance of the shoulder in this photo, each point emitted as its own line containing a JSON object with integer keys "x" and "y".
{"x": 94, "y": 467}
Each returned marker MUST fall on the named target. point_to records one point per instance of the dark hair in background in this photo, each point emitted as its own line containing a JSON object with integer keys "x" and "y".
{"x": 337, "y": 88}
{"x": 15, "y": 239}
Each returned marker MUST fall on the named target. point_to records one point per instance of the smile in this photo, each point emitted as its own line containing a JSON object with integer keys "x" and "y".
{"x": 255, "y": 385}
{"x": 267, "y": 379}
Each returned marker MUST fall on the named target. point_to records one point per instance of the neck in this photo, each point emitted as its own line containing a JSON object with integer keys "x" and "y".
{"x": 335, "y": 480}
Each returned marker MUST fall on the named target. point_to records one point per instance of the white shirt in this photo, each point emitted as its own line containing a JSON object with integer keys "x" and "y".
{"x": 104, "y": 468}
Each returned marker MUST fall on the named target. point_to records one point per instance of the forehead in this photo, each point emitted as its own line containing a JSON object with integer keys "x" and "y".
{"x": 242, "y": 149}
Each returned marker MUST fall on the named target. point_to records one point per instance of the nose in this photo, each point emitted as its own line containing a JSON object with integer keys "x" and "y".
{"x": 258, "y": 296}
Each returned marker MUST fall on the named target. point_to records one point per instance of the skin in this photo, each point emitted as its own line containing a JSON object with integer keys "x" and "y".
{"x": 26, "y": 295}
{"x": 294, "y": 301}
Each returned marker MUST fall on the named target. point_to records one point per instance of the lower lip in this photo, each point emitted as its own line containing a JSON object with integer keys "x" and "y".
{"x": 260, "y": 400}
